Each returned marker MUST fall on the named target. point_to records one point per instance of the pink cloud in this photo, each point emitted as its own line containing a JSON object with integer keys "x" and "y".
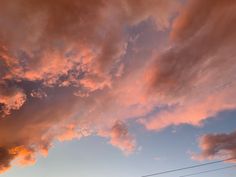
{"x": 120, "y": 137}
{"x": 195, "y": 75}
{"x": 73, "y": 58}
{"x": 67, "y": 53}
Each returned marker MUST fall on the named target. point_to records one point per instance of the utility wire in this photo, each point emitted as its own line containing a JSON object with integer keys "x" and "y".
{"x": 189, "y": 167}
{"x": 208, "y": 171}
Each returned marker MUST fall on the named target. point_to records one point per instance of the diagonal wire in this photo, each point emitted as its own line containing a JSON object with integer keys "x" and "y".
{"x": 189, "y": 167}
{"x": 208, "y": 171}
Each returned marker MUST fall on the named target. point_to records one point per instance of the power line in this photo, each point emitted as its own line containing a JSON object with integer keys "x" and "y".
{"x": 189, "y": 167}
{"x": 208, "y": 171}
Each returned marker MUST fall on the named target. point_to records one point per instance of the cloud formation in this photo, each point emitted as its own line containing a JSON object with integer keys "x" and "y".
{"x": 11, "y": 98}
{"x": 195, "y": 76}
{"x": 59, "y": 76}
{"x": 120, "y": 137}
{"x": 221, "y": 145}
{"x": 70, "y": 69}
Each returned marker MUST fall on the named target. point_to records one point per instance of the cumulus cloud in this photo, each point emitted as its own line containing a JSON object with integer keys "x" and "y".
{"x": 61, "y": 72}
{"x": 222, "y": 145}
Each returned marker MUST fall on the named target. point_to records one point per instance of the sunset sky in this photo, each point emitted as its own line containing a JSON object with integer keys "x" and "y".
{"x": 116, "y": 88}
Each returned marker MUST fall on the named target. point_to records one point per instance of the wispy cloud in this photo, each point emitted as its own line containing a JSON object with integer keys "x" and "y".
{"x": 196, "y": 74}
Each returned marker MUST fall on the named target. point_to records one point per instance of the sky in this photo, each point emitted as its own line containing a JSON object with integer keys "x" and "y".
{"x": 121, "y": 88}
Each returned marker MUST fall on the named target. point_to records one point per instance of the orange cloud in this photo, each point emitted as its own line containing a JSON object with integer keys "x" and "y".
{"x": 26, "y": 156}
{"x": 6, "y": 158}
